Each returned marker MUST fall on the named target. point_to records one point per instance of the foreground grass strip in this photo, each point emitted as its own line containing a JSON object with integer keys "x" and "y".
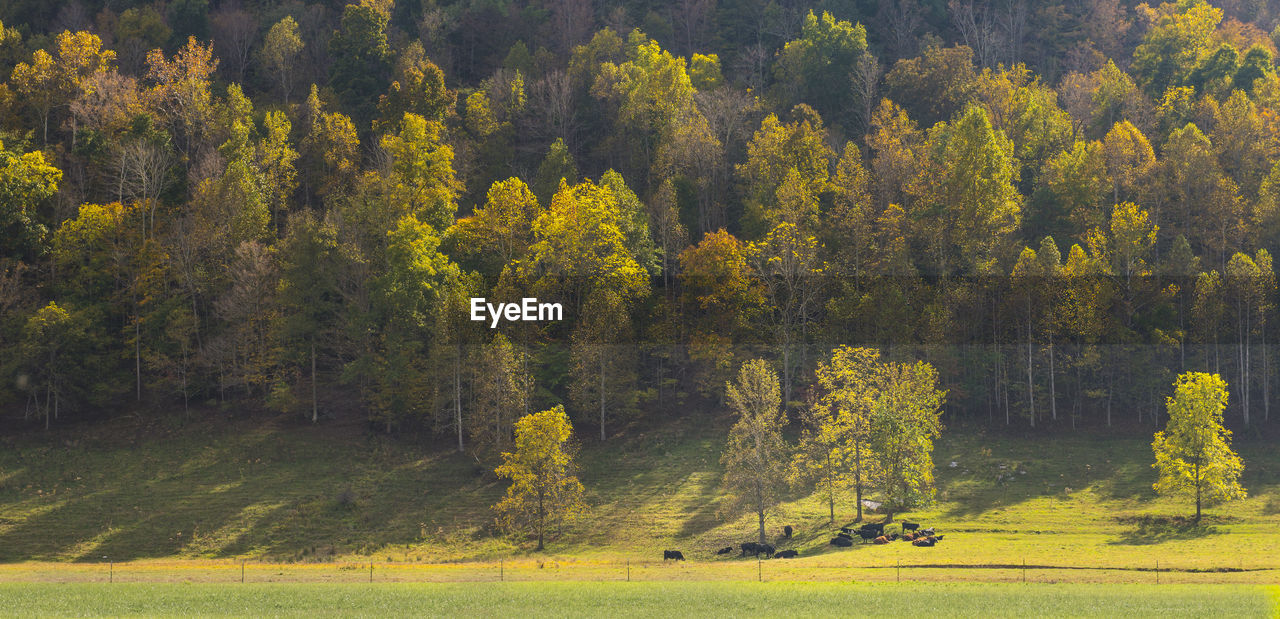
{"x": 639, "y": 599}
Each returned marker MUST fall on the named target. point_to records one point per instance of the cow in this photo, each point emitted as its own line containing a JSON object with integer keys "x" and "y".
{"x": 885, "y": 539}
{"x": 842, "y": 542}
{"x": 786, "y": 554}
{"x": 755, "y": 549}
{"x": 927, "y": 541}
{"x": 672, "y": 554}
{"x": 877, "y": 527}
{"x": 867, "y": 535}
{"x": 786, "y": 531}
{"x": 928, "y": 531}
{"x": 844, "y": 535}
{"x": 910, "y": 537}
{"x": 910, "y": 526}
{"x": 724, "y": 551}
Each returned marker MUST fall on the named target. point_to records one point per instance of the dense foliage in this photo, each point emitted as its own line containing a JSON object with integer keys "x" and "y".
{"x": 1059, "y": 205}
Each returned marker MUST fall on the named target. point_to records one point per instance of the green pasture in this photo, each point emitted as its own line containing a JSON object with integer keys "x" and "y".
{"x": 638, "y": 599}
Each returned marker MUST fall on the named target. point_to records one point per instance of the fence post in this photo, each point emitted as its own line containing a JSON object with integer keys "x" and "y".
{"x": 1024, "y": 570}
{"x": 242, "y": 571}
{"x": 1157, "y": 571}
{"x": 899, "y": 570}
{"x": 111, "y": 570}
{"x": 628, "y": 570}
{"x": 371, "y": 571}
{"x": 501, "y": 569}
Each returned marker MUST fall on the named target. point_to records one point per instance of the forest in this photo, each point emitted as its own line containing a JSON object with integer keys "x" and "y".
{"x": 262, "y": 205}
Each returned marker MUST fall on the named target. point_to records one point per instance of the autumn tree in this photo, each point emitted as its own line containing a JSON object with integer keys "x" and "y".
{"x": 1193, "y": 453}
{"x": 755, "y": 457}
{"x": 27, "y": 181}
{"x": 834, "y": 447}
{"x": 545, "y": 493}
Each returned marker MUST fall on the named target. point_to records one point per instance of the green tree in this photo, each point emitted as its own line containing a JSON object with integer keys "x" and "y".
{"x": 905, "y": 421}
{"x": 1179, "y": 34}
{"x": 815, "y": 68}
{"x": 418, "y": 88}
{"x": 755, "y": 457}
{"x": 1193, "y": 453}
{"x": 502, "y": 390}
{"x": 279, "y": 52}
{"x": 545, "y": 493}
{"x": 362, "y": 58}
{"x": 49, "y": 347}
{"x": 404, "y": 300}
{"x": 308, "y": 294}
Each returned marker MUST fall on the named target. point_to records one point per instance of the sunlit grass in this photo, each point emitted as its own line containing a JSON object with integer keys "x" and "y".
{"x": 641, "y": 599}
{"x": 292, "y": 494}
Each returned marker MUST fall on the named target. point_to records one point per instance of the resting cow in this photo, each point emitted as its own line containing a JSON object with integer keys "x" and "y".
{"x": 842, "y": 542}
{"x": 672, "y": 554}
{"x": 885, "y": 539}
{"x": 786, "y": 554}
{"x": 724, "y": 551}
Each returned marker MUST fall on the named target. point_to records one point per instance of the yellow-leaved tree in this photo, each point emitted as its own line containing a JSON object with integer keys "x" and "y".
{"x": 755, "y": 458}
{"x": 1193, "y": 453}
{"x": 834, "y": 448}
{"x": 545, "y": 493}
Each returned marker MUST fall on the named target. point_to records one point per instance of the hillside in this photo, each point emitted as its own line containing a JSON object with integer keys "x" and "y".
{"x": 286, "y": 490}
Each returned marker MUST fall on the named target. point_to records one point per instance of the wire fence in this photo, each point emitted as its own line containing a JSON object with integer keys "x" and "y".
{"x": 578, "y": 570}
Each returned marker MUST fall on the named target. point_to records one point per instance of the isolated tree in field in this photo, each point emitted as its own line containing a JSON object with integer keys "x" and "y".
{"x": 905, "y": 421}
{"x": 545, "y": 492}
{"x": 1193, "y": 453}
{"x": 834, "y": 448}
{"x": 755, "y": 458}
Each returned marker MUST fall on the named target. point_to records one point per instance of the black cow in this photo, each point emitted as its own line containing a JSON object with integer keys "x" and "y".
{"x": 929, "y": 531}
{"x": 909, "y": 526}
{"x": 877, "y": 527}
{"x": 867, "y": 535}
{"x": 844, "y": 535}
{"x": 786, "y": 554}
{"x": 842, "y": 542}
{"x": 754, "y": 549}
{"x": 786, "y": 531}
{"x": 672, "y": 554}
{"x": 724, "y": 551}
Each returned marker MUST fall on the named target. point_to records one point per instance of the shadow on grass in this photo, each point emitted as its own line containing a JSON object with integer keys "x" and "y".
{"x": 1149, "y": 530}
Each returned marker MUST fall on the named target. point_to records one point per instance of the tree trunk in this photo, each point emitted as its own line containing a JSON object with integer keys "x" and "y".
{"x": 315, "y": 406}
{"x": 761, "y": 515}
{"x": 857, "y": 478}
{"x": 457, "y": 395}
{"x": 1031, "y": 402}
{"x": 1053, "y": 392}
{"x": 602, "y": 435}
{"x": 831, "y": 491}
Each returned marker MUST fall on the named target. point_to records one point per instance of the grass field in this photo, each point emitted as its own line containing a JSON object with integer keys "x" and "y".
{"x": 186, "y": 500}
{"x": 641, "y": 599}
